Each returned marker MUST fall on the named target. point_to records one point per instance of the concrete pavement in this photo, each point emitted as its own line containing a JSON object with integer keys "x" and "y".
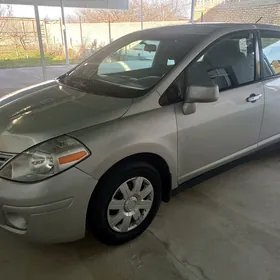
{"x": 17, "y": 78}
{"x": 226, "y": 228}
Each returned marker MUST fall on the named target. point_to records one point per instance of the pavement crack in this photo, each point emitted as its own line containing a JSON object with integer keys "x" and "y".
{"x": 197, "y": 273}
{"x": 198, "y": 268}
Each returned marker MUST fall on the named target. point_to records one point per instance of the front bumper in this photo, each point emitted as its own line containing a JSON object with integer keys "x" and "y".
{"x": 55, "y": 209}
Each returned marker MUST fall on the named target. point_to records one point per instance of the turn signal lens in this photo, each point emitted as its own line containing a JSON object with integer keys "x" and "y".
{"x": 72, "y": 158}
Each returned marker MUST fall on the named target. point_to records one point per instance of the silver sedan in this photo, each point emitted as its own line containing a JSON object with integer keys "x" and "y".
{"x": 100, "y": 147}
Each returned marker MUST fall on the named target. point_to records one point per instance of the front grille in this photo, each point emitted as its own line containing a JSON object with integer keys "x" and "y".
{"x": 4, "y": 157}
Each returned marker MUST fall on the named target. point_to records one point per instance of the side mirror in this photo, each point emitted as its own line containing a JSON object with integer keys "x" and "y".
{"x": 199, "y": 94}
{"x": 202, "y": 94}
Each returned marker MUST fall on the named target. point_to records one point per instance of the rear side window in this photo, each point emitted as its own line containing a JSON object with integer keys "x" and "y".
{"x": 271, "y": 53}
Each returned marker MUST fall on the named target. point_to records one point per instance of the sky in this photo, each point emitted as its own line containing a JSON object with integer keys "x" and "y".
{"x": 50, "y": 12}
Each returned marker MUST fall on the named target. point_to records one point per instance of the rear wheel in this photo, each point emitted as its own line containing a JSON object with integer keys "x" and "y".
{"x": 125, "y": 203}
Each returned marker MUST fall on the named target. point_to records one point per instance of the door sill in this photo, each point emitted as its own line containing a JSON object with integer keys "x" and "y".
{"x": 221, "y": 169}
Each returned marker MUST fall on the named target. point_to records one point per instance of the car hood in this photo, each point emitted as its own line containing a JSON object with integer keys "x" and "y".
{"x": 38, "y": 113}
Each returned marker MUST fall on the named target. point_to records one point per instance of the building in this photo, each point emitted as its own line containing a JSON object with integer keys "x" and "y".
{"x": 264, "y": 11}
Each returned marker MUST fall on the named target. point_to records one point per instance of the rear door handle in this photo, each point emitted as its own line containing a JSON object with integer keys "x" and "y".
{"x": 254, "y": 97}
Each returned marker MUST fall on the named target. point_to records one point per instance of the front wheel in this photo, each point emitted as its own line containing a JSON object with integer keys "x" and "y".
{"x": 125, "y": 203}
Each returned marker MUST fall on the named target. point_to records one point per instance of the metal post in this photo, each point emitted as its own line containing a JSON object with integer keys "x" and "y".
{"x": 64, "y": 33}
{"x": 110, "y": 31}
{"x": 192, "y": 11}
{"x": 40, "y": 40}
{"x": 33, "y": 24}
{"x": 61, "y": 31}
{"x": 142, "y": 15}
{"x": 46, "y": 31}
{"x": 81, "y": 31}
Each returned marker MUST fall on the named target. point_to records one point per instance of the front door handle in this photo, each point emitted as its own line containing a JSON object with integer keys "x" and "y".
{"x": 254, "y": 97}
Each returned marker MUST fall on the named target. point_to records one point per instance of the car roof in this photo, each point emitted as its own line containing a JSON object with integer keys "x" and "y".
{"x": 204, "y": 28}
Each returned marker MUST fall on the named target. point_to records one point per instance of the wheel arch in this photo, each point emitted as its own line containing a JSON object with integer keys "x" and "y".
{"x": 157, "y": 162}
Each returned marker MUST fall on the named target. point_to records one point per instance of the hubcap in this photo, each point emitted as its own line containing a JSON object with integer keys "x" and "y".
{"x": 130, "y": 204}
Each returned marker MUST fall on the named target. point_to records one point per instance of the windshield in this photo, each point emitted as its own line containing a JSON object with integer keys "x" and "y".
{"x": 130, "y": 70}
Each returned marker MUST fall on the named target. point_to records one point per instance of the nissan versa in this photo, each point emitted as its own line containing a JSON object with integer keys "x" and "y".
{"x": 100, "y": 147}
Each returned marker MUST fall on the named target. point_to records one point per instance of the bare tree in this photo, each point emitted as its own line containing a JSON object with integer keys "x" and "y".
{"x": 154, "y": 10}
{"x": 18, "y": 35}
{"x": 180, "y": 8}
{"x": 5, "y": 13}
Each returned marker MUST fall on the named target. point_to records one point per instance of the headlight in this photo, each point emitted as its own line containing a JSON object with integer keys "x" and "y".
{"x": 45, "y": 160}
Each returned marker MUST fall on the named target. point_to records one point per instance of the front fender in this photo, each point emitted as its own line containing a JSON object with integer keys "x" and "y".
{"x": 128, "y": 151}
{"x": 119, "y": 139}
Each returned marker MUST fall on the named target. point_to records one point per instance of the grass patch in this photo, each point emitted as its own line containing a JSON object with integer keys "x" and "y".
{"x": 12, "y": 59}
{"x": 31, "y": 62}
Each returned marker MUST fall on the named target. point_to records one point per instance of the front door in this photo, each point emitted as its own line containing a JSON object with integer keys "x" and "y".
{"x": 271, "y": 80}
{"x": 229, "y": 128}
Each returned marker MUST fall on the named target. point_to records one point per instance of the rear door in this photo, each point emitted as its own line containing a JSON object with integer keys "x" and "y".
{"x": 270, "y": 58}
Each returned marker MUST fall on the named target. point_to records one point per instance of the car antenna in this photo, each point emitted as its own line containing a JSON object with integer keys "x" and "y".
{"x": 259, "y": 20}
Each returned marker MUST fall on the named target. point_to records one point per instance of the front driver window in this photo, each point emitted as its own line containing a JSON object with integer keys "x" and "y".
{"x": 229, "y": 63}
{"x": 271, "y": 53}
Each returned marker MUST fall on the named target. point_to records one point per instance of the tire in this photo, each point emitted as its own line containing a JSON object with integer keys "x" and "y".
{"x": 101, "y": 220}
